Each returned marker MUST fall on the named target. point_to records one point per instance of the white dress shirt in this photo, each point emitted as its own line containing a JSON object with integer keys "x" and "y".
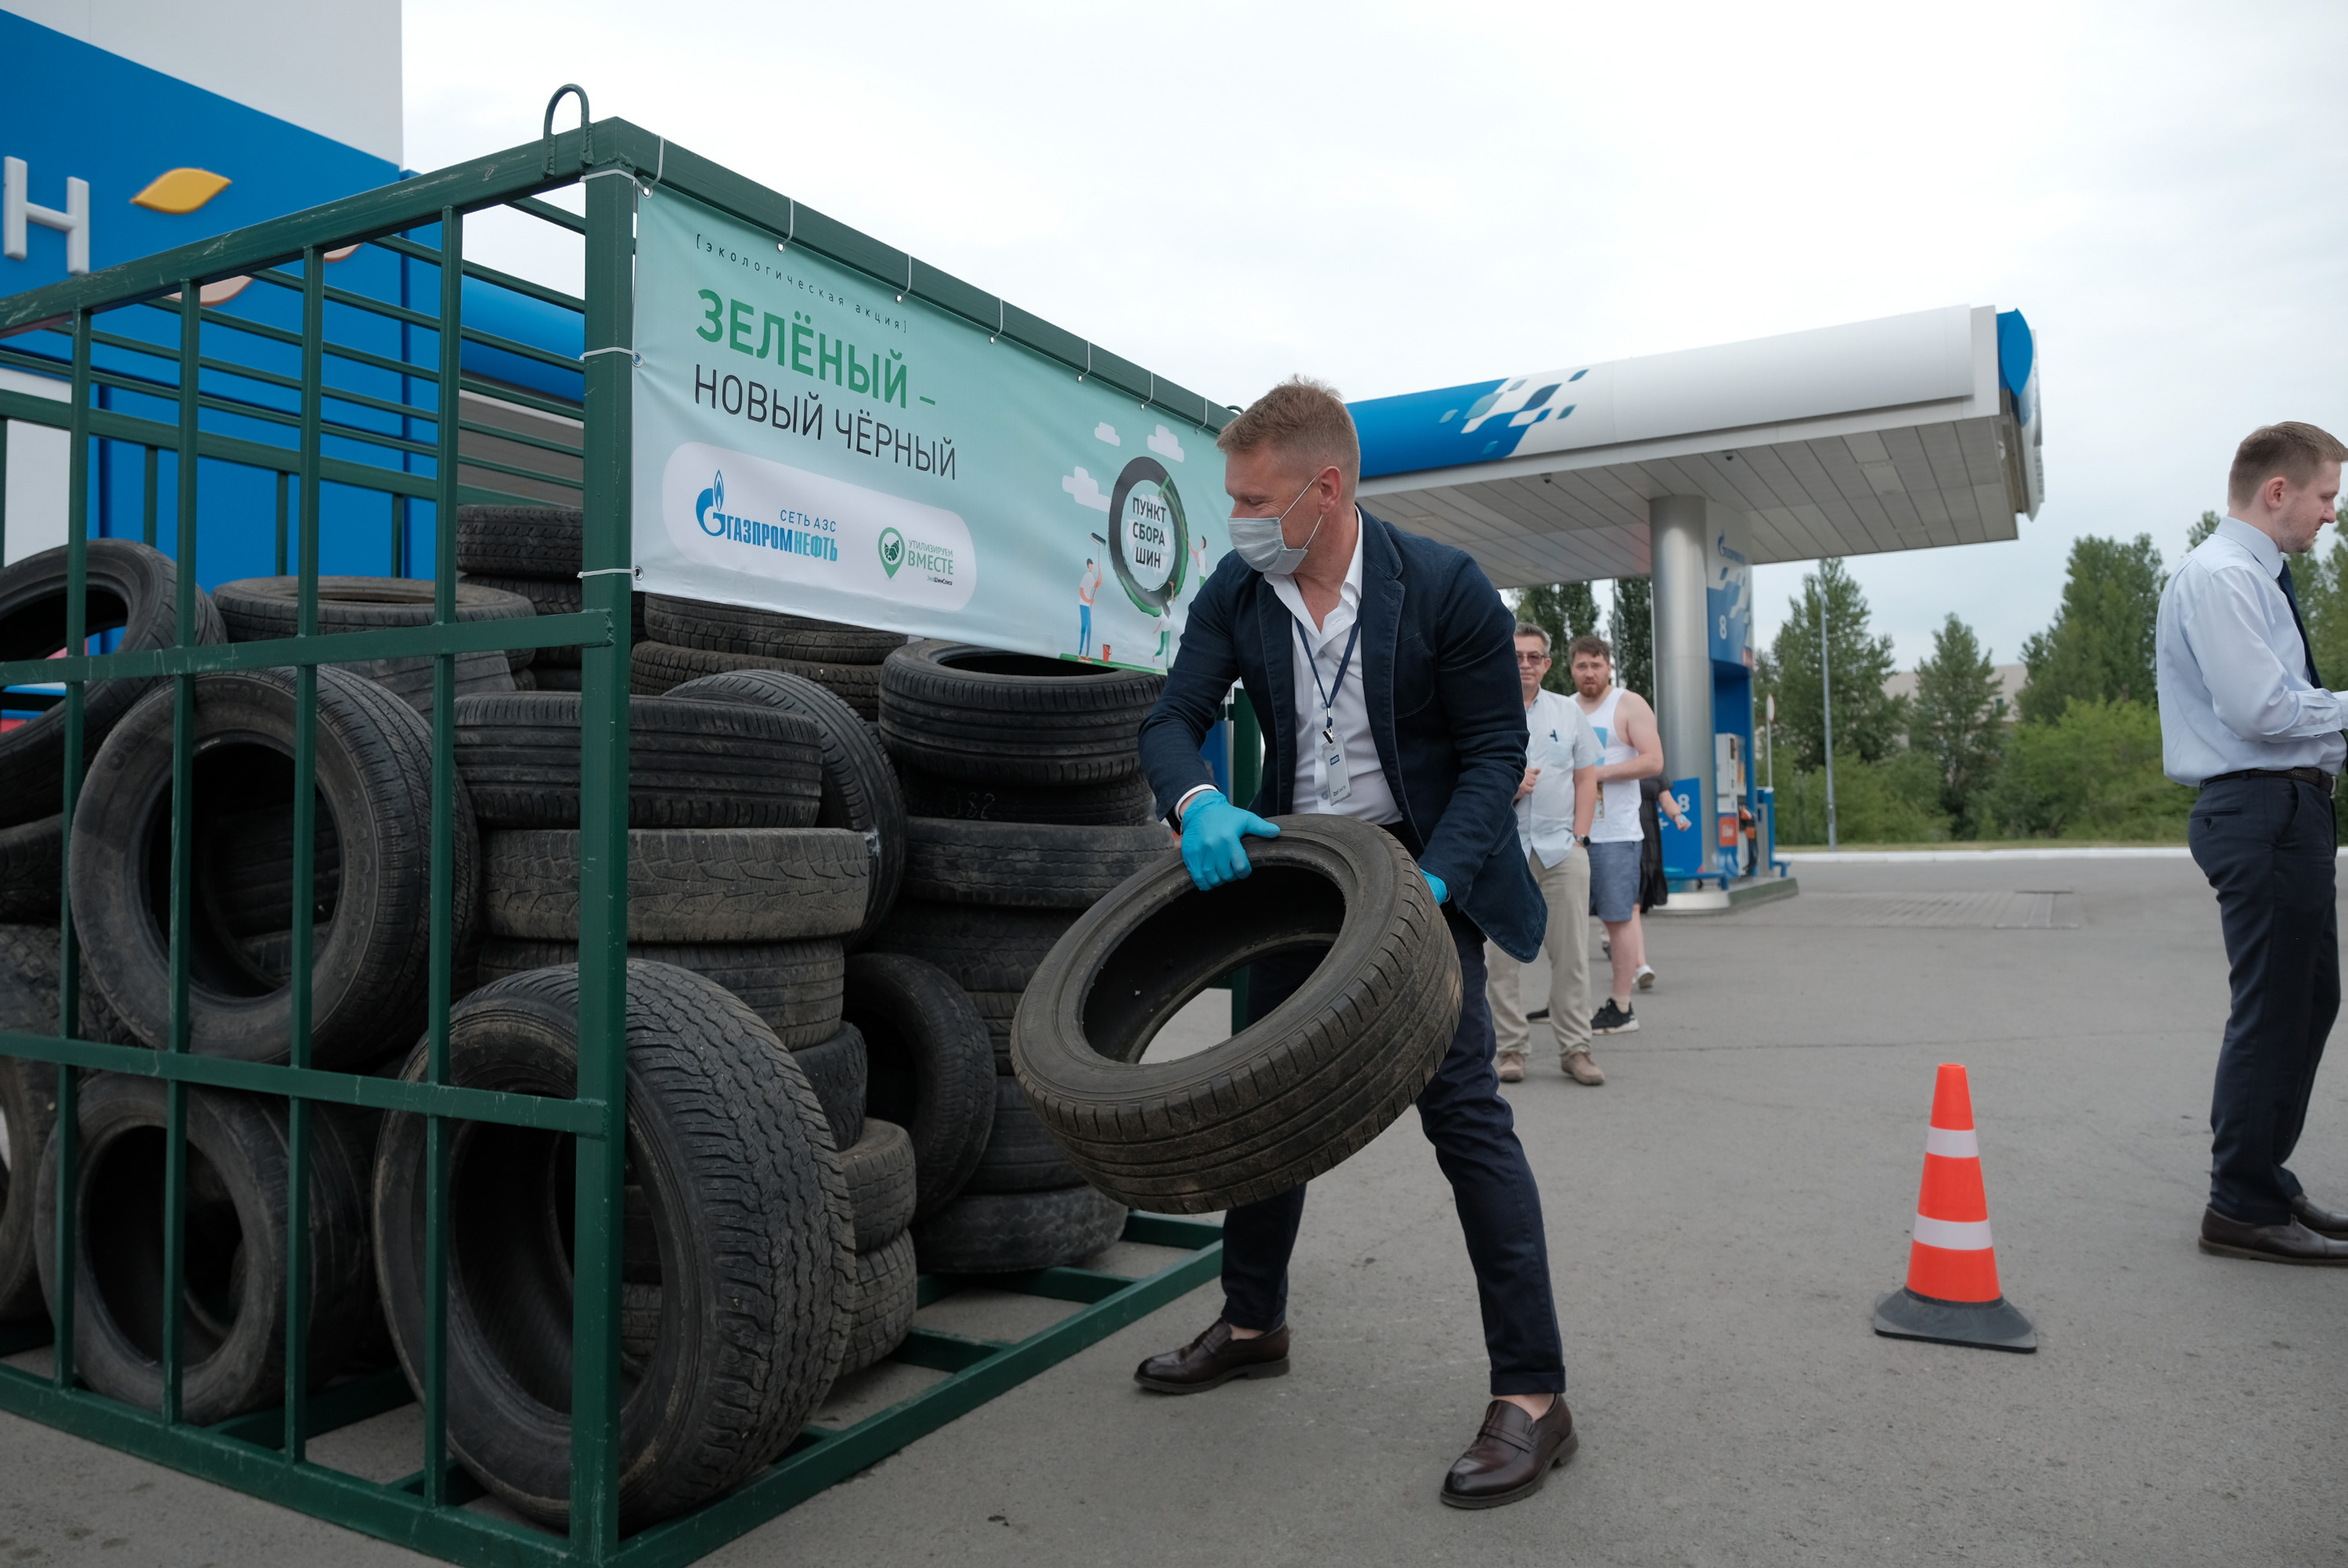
{"x": 1558, "y": 739}
{"x": 2232, "y": 667}
{"x": 1367, "y": 797}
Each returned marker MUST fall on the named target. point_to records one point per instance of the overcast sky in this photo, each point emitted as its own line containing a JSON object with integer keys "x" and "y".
{"x": 1403, "y": 196}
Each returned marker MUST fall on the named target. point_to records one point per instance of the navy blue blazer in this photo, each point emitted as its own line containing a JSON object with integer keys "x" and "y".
{"x": 1438, "y": 667}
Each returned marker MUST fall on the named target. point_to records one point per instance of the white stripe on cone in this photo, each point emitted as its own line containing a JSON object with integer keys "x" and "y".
{"x": 1953, "y": 1142}
{"x": 1954, "y": 1235}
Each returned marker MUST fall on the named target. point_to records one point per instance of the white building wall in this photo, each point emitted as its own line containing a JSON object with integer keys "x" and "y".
{"x": 37, "y": 474}
{"x": 332, "y": 66}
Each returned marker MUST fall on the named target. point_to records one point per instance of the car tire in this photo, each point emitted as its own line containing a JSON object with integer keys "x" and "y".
{"x": 1124, "y": 803}
{"x": 690, "y": 765}
{"x": 764, "y": 633}
{"x": 984, "y": 715}
{"x": 233, "y": 1318}
{"x": 750, "y": 1227}
{"x": 932, "y": 1069}
{"x": 838, "y": 1069}
{"x": 131, "y": 587}
{"x": 982, "y": 949}
{"x": 656, "y": 669}
{"x": 887, "y": 1294}
{"x": 1013, "y": 1233}
{"x": 881, "y": 1183}
{"x": 1293, "y": 1094}
{"x": 860, "y": 787}
{"x": 1024, "y": 864}
{"x": 374, "y": 762}
{"x": 684, "y": 884}
{"x": 1020, "y": 1155}
{"x": 795, "y": 987}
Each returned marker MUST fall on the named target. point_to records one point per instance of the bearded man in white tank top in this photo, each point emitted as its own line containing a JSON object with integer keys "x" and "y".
{"x": 1632, "y": 750}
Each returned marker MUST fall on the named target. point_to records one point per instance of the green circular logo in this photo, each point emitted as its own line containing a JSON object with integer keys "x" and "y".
{"x": 893, "y": 550}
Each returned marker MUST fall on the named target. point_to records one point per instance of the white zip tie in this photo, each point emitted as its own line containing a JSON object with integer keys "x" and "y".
{"x": 614, "y": 571}
{"x": 633, "y": 356}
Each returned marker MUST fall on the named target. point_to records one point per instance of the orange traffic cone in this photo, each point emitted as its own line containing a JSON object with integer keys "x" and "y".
{"x": 1952, "y": 1295}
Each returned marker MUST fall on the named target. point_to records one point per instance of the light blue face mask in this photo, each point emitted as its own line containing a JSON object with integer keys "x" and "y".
{"x": 1261, "y": 544}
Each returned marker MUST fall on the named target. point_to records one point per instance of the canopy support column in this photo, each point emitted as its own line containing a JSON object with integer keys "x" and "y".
{"x": 1677, "y": 530}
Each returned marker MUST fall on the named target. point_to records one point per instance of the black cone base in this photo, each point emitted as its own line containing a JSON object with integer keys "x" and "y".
{"x": 1993, "y": 1325}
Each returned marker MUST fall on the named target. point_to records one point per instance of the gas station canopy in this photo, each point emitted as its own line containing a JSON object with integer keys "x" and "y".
{"x": 1902, "y": 433}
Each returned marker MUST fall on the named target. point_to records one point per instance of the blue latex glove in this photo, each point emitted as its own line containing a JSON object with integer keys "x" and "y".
{"x": 1435, "y": 885}
{"x": 1211, "y": 829}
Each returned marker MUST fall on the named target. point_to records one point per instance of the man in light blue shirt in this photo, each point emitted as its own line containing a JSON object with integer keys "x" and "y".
{"x": 2245, "y": 718}
{"x": 1554, "y": 803}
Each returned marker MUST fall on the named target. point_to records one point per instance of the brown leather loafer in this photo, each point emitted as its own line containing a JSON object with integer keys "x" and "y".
{"x": 1511, "y": 1456}
{"x": 2318, "y": 1219}
{"x": 1214, "y": 1358}
{"x": 2290, "y": 1242}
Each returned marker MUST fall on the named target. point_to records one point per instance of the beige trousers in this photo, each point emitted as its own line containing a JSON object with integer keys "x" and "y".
{"x": 1565, "y": 888}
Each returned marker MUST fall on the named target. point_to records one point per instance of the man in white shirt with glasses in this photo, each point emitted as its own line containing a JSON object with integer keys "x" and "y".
{"x": 1554, "y": 805}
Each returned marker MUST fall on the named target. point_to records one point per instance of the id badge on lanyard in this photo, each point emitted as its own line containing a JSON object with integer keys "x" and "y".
{"x": 1336, "y": 782}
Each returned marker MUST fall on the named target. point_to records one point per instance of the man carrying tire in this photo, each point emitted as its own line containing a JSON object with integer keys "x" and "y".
{"x": 1395, "y": 702}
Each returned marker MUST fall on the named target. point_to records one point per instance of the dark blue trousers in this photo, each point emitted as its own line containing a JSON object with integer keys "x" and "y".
{"x": 2268, "y": 846}
{"x": 1475, "y": 1138}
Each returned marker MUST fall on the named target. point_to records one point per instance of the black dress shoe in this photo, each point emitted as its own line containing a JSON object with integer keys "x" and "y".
{"x": 1214, "y": 1358}
{"x": 1511, "y": 1456}
{"x": 2290, "y": 1242}
{"x": 2318, "y": 1219}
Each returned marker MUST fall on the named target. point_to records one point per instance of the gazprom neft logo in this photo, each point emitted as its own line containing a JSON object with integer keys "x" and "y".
{"x": 710, "y": 500}
{"x": 792, "y": 533}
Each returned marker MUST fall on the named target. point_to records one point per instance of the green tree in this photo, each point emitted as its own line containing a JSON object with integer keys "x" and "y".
{"x": 1630, "y": 629}
{"x": 2199, "y": 531}
{"x": 2099, "y": 648}
{"x": 2092, "y": 772}
{"x": 2319, "y": 578}
{"x": 1868, "y": 724}
{"x": 1565, "y": 610}
{"x": 1895, "y": 801}
{"x": 1955, "y": 719}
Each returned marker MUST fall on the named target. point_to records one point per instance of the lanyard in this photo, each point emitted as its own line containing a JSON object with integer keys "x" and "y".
{"x": 1329, "y": 696}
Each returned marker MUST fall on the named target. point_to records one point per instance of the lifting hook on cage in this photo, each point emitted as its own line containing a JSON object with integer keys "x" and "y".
{"x": 791, "y": 224}
{"x": 586, "y": 132}
{"x": 998, "y": 320}
{"x": 908, "y": 279}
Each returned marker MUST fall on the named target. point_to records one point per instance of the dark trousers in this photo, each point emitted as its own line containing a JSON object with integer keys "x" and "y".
{"x": 2268, "y": 847}
{"x": 1475, "y": 1138}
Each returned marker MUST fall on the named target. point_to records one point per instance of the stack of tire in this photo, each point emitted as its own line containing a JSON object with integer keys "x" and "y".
{"x": 262, "y": 609}
{"x": 1027, "y": 806}
{"x": 535, "y": 552}
{"x": 765, "y": 835}
{"x": 132, "y": 591}
{"x": 686, "y": 640}
{"x": 371, "y": 917}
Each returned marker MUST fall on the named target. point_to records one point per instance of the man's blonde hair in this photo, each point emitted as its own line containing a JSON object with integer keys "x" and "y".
{"x": 1301, "y": 419}
{"x": 2292, "y": 449}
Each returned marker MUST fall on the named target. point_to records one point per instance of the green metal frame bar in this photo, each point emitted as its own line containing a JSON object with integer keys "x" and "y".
{"x": 246, "y": 1453}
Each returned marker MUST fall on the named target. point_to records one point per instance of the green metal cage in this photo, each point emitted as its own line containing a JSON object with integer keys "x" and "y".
{"x": 324, "y": 442}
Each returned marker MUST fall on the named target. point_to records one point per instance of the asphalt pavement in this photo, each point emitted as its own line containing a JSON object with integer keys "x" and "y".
{"x": 1722, "y": 1216}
